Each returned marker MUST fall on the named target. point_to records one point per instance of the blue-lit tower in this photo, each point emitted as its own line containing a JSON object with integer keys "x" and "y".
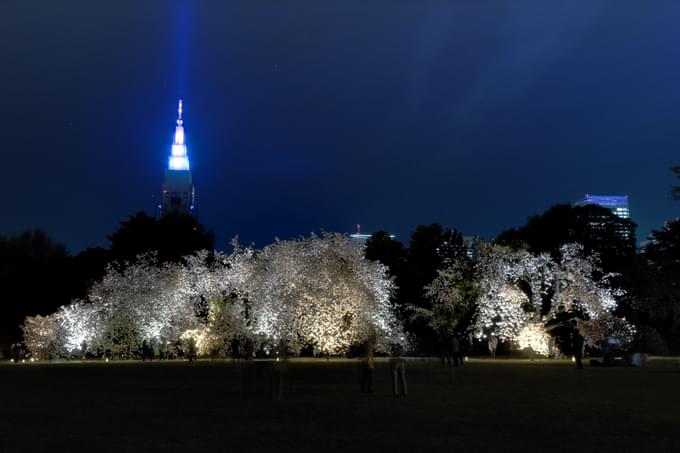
{"x": 178, "y": 193}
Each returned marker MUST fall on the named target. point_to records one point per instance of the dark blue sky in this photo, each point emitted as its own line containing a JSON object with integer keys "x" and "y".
{"x": 303, "y": 115}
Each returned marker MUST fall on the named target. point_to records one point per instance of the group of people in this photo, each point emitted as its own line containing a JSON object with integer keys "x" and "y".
{"x": 397, "y": 370}
{"x": 452, "y": 354}
{"x": 17, "y": 352}
{"x": 169, "y": 352}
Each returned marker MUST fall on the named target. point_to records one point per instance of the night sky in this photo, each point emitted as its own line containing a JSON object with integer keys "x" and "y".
{"x": 308, "y": 115}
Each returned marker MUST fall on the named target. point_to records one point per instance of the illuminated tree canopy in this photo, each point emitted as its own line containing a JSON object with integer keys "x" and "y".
{"x": 317, "y": 291}
{"x": 321, "y": 291}
{"x": 518, "y": 293}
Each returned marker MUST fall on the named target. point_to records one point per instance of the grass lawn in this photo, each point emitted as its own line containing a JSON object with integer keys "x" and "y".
{"x": 487, "y": 405}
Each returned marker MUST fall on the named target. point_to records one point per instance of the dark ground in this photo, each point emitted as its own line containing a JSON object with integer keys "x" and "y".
{"x": 499, "y": 406}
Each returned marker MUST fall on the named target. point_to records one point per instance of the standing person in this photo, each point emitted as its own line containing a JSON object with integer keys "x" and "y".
{"x": 191, "y": 350}
{"x": 368, "y": 366}
{"x": 15, "y": 352}
{"x": 235, "y": 349}
{"x": 577, "y": 347}
{"x": 445, "y": 351}
{"x": 398, "y": 369}
{"x": 249, "y": 349}
{"x": 455, "y": 351}
{"x": 493, "y": 344}
{"x": 20, "y": 351}
{"x": 278, "y": 369}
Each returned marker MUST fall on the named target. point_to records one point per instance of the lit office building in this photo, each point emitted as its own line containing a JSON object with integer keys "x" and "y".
{"x": 617, "y": 204}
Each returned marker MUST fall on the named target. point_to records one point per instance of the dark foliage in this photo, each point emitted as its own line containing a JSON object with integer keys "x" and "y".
{"x": 34, "y": 276}
{"x": 675, "y": 190}
{"x": 88, "y": 267}
{"x": 431, "y": 249}
{"x": 173, "y": 237}
{"x": 390, "y": 252}
{"x": 595, "y": 227}
{"x": 657, "y": 285}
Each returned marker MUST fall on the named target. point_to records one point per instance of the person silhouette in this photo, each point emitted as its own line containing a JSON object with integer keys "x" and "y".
{"x": 191, "y": 350}
{"x": 577, "y": 344}
{"x": 368, "y": 366}
{"x": 398, "y": 369}
{"x": 455, "y": 351}
{"x": 493, "y": 344}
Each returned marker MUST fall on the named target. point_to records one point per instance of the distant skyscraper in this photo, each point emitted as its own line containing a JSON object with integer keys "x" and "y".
{"x": 360, "y": 237}
{"x": 617, "y": 204}
{"x": 178, "y": 194}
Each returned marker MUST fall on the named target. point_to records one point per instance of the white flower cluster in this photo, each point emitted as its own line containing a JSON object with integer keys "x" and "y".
{"x": 316, "y": 291}
{"x": 608, "y": 330}
{"x": 534, "y": 337}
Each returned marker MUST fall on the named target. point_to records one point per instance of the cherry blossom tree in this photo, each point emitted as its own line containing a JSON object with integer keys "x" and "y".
{"x": 321, "y": 291}
{"x": 512, "y": 285}
{"x": 518, "y": 293}
{"x": 42, "y": 336}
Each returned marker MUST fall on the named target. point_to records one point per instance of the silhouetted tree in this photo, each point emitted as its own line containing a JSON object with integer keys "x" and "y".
{"x": 424, "y": 257}
{"x": 172, "y": 237}
{"x": 663, "y": 250}
{"x": 659, "y": 289}
{"x": 34, "y": 277}
{"x": 675, "y": 191}
{"x": 390, "y": 252}
{"x": 88, "y": 267}
{"x": 431, "y": 249}
{"x": 136, "y": 235}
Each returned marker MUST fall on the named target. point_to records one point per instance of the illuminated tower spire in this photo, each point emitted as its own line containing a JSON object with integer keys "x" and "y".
{"x": 178, "y": 157}
{"x": 178, "y": 190}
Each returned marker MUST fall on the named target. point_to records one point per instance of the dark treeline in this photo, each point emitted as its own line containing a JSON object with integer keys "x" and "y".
{"x": 38, "y": 276}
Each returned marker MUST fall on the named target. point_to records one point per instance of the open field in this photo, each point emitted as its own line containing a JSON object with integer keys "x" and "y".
{"x": 487, "y": 405}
